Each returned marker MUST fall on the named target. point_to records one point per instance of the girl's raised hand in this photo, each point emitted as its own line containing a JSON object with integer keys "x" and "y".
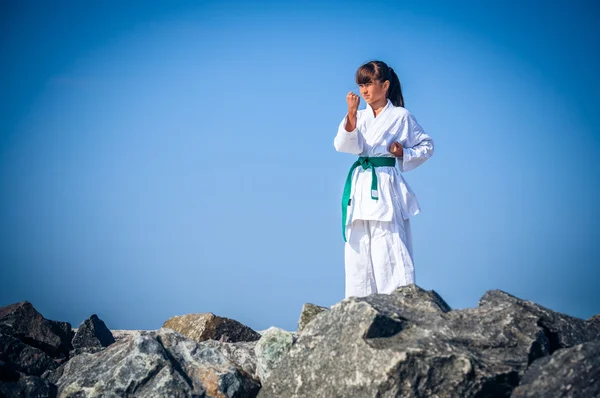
{"x": 353, "y": 100}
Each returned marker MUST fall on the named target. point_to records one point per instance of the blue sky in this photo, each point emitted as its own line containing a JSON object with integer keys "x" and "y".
{"x": 163, "y": 158}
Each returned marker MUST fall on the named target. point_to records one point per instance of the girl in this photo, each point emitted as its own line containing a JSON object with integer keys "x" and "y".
{"x": 377, "y": 202}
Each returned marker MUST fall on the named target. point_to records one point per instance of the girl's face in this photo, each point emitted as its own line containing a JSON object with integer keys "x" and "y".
{"x": 374, "y": 92}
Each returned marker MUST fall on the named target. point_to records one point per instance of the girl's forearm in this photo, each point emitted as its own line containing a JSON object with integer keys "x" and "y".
{"x": 351, "y": 122}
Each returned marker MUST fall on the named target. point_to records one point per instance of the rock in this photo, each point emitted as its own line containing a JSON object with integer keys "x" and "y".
{"x": 54, "y": 375}
{"x": 28, "y": 387}
{"x": 413, "y": 298}
{"x": 84, "y": 350}
{"x": 117, "y": 335}
{"x": 270, "y": 349}
{"x": 125, "y": 334}
{"x": 410, "y": 343}
{"x": 159, "y": 363}
{"x": 241, "y": 354}
{"x": 308, "y": 313}
{"x": 23, "y": 358}
{"x": 92, "y": 333}
{"x": 595, "y": 321}
{"x": 22, "y": 321}
{"x": 202, "y": 327}
{"x": 562, "y": 330}
{"x": 569, "y": 372}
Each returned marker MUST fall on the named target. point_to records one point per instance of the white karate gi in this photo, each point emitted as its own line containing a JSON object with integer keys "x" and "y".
{"x": 378, "y": 251}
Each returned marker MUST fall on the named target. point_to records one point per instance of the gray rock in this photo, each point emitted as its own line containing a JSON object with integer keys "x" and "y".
{"x": 308, "y": 313}
{"x": 22, "y": 321}
{"x": 562, "y": 330}
{"x": 84, "y": 350}
{"x": 569, "y": 372}
{"x": 241, "y": 354}
{"x": 206, "y": 326}
{"x": 125, "y": 334}
{"x": 23, "y": 358}
{"x": 410, "y": 343}
{"x": 270, "y": 349}
{"x": 159, "y": 363}
{"x": 92, "y": 333}
{"x": 412, "y": 297}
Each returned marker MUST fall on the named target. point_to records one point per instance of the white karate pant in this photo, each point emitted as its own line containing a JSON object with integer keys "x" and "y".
{"x": 378, "y": 257}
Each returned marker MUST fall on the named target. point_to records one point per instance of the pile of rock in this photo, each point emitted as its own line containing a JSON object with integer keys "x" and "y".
{"x": 411, "y": 344}
{"x": 406, "y": 344}
{"x": 32, "y": 347}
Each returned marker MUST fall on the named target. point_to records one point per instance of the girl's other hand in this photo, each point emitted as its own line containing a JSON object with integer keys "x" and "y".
{"x": 396, "y": 149}
{"x": 353, "y": 101}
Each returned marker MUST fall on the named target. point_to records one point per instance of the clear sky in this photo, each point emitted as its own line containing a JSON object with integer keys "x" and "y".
{"x": 163, "y": 158}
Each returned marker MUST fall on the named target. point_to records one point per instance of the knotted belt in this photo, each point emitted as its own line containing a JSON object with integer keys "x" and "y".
{"x": 366, "y": 163}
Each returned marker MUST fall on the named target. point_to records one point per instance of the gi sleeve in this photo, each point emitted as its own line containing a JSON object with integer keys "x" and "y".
{"x": 348, "y": 141}
{"x": 417, "y": 146}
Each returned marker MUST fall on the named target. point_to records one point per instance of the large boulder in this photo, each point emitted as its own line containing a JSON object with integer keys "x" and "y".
{"x": 158, "y": 363}
{"x": 23, "y": 358}
{"x": 410, "y": 343}
{"x": 92, "y": 333}
{"x": 206, "y": 326}
{"x": 562, "y": 330}
{"x": 569, "y": 372}
{"x": 270, "y": 349}
{"x": 22, "y": 321}
{"x": 308, "y": 313}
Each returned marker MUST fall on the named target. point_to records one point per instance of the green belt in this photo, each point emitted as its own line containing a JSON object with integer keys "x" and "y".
{"x": 366, "y": 163}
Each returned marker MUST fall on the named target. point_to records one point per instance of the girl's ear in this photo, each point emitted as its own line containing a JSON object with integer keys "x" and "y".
{"x": 386, "y": 85}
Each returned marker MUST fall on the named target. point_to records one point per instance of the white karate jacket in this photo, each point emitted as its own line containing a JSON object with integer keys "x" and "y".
{"x": 372, "y": 137}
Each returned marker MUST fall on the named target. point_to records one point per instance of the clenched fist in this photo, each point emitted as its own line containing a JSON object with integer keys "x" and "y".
{"x": 353, "y": 100}
{"x": 396, "y": 149}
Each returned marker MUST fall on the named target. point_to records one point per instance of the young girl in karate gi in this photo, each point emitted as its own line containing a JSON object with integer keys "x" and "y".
{"x": 377, "y": 203}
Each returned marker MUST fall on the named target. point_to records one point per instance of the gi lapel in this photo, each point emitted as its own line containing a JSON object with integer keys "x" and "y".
{"x": 378, "y": 126}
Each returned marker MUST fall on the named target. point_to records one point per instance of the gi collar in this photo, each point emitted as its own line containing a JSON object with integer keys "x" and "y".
{"x": 370, "y": 110}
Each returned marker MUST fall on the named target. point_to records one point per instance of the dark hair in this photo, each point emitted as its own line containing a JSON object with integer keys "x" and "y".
{"x": 379, "y": 71}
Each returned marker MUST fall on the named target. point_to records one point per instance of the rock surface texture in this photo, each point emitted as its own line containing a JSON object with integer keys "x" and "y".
{"x": 28, "y": 387}
{"x": 22, "y": 321}
{"x": 569, "y": 372}
{"x": 241, "y": 354}
{"x": 93, "y": 333}
{"x": 270, "y": 349}
{"x": 162, "y": 363}
{"x": 23, "y": 358}
{"x": 206, "y": 326}
{"x": 308, "y": 313}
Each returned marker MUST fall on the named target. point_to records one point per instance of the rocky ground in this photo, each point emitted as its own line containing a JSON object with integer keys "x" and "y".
{"x": 406, "y": 344}
{"x": 121, "y": 334}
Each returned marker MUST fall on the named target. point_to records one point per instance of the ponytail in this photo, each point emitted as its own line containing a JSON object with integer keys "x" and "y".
{"x": 394, "y": 92}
